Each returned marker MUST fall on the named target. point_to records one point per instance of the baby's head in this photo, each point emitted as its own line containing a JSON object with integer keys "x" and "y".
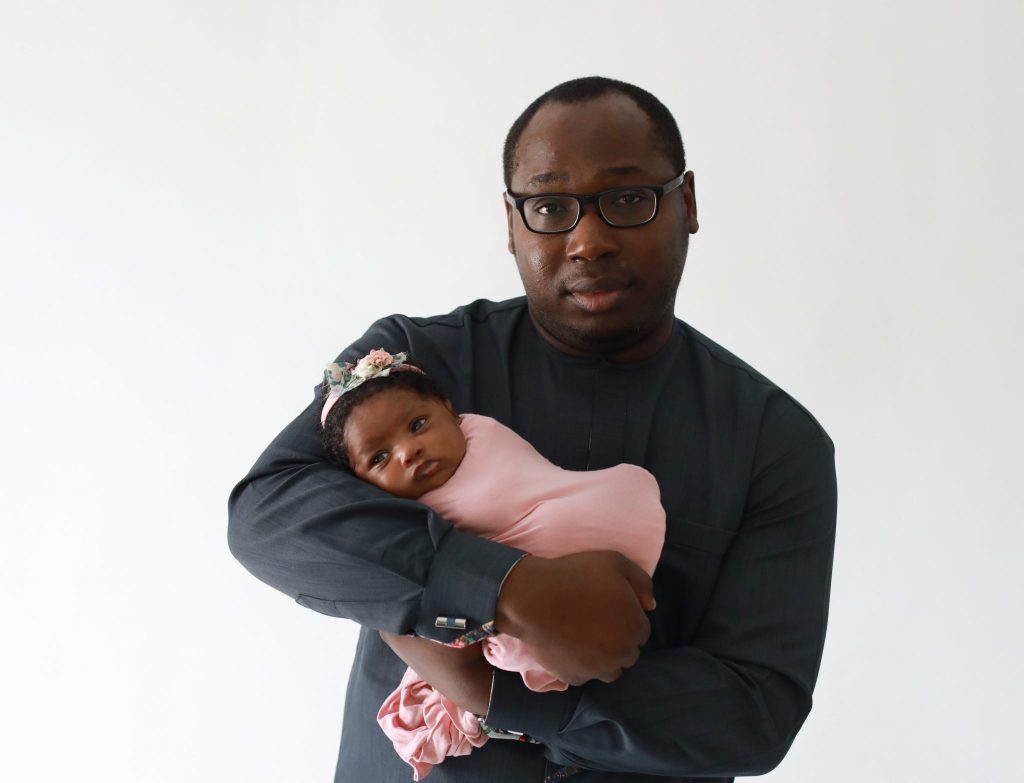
{"x": 391, "y": 424}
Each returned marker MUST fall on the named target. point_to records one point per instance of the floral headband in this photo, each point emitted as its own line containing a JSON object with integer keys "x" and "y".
{"x": 343, "y": 378}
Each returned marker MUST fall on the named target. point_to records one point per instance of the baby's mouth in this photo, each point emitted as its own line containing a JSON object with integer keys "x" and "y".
{"x": 426, "y": 469}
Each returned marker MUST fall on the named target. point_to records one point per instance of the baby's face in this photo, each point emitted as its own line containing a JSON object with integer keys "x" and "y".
{"x": 404, "y": 443}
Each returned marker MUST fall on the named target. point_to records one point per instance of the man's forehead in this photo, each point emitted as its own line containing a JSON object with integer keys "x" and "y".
{"x": 606, "y": 138}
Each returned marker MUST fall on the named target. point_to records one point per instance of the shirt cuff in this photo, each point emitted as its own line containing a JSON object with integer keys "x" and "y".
{"x": 539, "y": 715}
{"x": 463, "y": 585}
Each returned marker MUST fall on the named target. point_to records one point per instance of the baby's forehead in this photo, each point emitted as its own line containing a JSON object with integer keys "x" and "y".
{"x": 378, "y": 415}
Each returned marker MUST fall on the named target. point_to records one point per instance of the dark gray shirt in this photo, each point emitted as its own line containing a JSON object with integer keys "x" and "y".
{"x": 747, "y": 479}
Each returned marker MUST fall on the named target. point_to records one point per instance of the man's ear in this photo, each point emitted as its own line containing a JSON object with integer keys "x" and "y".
{"x": 689, "y": 189}
{"x": 510, "y": 215}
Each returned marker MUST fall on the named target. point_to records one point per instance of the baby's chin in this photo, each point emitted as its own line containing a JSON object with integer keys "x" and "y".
{"x": 441, "y": 478}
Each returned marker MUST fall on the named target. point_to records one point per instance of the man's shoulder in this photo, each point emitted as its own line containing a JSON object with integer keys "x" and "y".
{"x": 446, "y": 334}
{"x": 732, "y": 378}
{"x": 479, "y": 312}
{"x": 470, "y": 342}
{"x": 722, "y": 359}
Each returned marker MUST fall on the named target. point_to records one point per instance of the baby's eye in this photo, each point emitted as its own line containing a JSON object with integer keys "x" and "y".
{"x": 378, "y": 459}
{"x": 418, "y": 424}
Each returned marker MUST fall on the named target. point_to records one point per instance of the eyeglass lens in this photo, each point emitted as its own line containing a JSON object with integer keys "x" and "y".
{"x": 621, "y": 207}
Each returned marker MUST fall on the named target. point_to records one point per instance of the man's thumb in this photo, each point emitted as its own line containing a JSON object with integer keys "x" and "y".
{"x": 642, "y": 586}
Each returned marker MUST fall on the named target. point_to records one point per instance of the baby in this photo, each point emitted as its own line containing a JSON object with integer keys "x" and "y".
{"x": 391, "y": 425}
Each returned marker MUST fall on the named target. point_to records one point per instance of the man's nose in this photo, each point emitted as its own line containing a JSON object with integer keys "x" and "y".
{"x": 592, "y": 238}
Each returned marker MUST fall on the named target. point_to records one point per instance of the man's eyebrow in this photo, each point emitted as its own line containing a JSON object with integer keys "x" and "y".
{"x": 623, "y": 170}
{"x": 546, "y": 177}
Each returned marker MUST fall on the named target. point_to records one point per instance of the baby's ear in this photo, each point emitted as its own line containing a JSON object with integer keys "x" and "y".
{"x": 451, "y": 410}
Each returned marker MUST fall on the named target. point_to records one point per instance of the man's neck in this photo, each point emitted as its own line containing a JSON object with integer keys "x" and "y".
{"x": 625, "y": 352}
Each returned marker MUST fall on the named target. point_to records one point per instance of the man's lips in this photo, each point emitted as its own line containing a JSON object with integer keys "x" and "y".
{"x": 598, "y": 294}
{"x": 426, "y": 469}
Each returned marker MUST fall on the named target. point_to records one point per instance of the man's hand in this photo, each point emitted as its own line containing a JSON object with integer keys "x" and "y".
{"x": 581, "y": 616}
{"x": 462, "y": 675}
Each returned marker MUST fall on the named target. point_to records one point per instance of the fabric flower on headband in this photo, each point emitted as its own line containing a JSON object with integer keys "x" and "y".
{"x": 343, "y": 378}
{"x": 375, "y": 363}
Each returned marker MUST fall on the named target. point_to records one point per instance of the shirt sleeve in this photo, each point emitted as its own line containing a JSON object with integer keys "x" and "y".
{"x": 730, "y": 702}
{"x": 336, "y": 544}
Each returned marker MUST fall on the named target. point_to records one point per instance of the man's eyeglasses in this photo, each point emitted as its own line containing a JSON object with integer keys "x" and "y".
{"x": 553, "y": 213}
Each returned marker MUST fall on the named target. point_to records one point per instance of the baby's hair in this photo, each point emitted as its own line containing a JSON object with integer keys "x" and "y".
{"x": 334, "y": 426}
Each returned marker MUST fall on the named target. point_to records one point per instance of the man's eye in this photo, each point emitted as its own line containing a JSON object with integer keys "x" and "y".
{"x": 379, "y": 458}
{"x": 630, "y": 198}
{"x": 549, "y": 207}
{"x": 418, "y": 424}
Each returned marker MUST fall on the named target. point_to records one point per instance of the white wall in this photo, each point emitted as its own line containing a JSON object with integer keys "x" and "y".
{"x": 201, "y": 202}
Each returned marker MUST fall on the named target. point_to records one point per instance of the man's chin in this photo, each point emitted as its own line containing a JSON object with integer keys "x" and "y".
{"x": 598, "y": 339}
{"x": 612, "y": 334}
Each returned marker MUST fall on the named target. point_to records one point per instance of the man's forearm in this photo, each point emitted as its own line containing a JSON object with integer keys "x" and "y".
{"x": 676, "y": 713}
{"x": 340, "y": 546}
{"x": 462, "y": 675}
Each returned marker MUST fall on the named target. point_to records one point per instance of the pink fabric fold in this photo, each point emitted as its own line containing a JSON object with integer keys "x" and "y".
{"x": 508, "y": 653}
{"x": 425, "y": 727}
{"x": 506, "y": 491}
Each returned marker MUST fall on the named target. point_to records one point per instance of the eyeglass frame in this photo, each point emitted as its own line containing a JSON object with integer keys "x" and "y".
{"x": 660, "y": 191}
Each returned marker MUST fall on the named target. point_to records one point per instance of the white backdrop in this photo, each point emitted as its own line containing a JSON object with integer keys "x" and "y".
{"x": 202, "y": 202}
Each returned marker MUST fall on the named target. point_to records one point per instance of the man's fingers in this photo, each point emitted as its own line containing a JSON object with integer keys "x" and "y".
{"x": 647, "y": 630}
{"x": 630, "y": 661}
{"x": 641, "y": 584}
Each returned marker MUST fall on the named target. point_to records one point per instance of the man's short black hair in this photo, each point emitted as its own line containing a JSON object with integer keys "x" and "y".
{"x": 587, "y": 88}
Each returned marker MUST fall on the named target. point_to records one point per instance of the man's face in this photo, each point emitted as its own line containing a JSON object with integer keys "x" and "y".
{"x": 599, "y": 290}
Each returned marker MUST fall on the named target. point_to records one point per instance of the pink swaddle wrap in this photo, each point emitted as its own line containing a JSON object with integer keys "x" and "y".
{"x": 505, "y": 491}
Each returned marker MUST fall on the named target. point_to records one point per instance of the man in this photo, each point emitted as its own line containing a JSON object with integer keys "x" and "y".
{"x": 710, "y": 679}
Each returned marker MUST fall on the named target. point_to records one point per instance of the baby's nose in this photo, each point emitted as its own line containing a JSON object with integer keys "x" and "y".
{"x": 408, "y": 452}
